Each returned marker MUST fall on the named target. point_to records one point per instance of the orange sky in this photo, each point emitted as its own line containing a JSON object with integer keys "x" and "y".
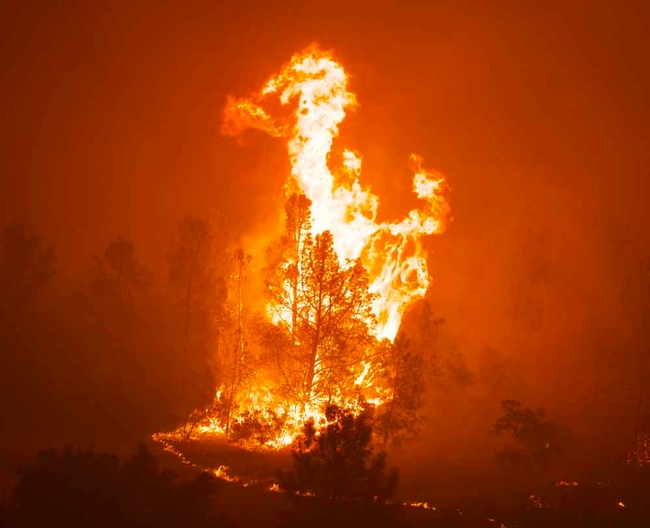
{"x": 537, "y": 116}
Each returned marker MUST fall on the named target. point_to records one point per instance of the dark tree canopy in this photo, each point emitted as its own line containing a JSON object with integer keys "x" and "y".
{"x": 198, "y": 286}
{"x": 635, "y": 299}
{"x": 530, "y": 429}
{"x": 403, "y": 374}
{"x": 83, "y": 488}
{"x": 338, "y": 462}
{"x": 26, "y": 267}
{"x": 118, "y": 277}
{"x": 192, "y": 262}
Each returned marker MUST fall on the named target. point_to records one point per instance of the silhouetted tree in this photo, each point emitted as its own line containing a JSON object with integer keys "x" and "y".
{"x": 444, "y": 365}
{"x": 74, "y": 487}
{"x": 456, "y": 368}
{"x": 81, "y": 488}
{"x": 118, "y": 277}
{"x": 201, "y": 294}
{"x": 533, "y": 271}
{"x": 498, "y": 373}
{"x": 540, "y": 439}
{"x": 403, "y": 374}
{"x": 635, "y": 298}
{"x": 338, "y": 461}
{"x": 26, "y": 266}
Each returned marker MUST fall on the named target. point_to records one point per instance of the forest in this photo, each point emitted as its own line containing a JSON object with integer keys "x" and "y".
{"x": 215, "y": 355}
{"x": 292, "y": 263}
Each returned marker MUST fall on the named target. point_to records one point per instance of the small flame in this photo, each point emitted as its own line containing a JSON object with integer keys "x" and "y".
{"x": 361, "y": 377}
{"x": 419, "y": 504}
{"x": 567, "y": 484}
{"x": 536, "y": 501}
{"x": 222, "y": 473}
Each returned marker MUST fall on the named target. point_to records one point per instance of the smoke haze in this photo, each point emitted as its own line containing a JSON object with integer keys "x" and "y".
{"x": 537, "y": 117}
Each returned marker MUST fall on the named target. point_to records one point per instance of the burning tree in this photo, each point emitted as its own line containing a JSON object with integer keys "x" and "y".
{"x": 391, "y": 252}
{"x": 322, "y": 311}
{"x": 237, "y": 368}
{"x": 337, "y": 282}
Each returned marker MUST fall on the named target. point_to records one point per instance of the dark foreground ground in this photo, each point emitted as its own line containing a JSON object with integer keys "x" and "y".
{"x": 248, "y": 500}
{"x": 245, "y": 499}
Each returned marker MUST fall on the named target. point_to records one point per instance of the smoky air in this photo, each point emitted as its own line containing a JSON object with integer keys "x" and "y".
{"x": 288, "y": 264}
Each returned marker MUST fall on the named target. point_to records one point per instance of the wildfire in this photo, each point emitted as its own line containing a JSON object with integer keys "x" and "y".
{"x": 391, "y": 252}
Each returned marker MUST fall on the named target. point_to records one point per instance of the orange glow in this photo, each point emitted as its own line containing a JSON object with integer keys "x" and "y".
{"x": 391, "y": 252}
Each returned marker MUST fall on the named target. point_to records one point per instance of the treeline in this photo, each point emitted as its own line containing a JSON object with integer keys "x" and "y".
{"x": 117, "y": 351}
{"x": 111, "y": 351}
{"x": 119, "y": 354}
{"x": 79, "y": 487}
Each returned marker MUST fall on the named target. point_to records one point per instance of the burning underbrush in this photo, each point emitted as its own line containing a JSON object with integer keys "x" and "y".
{"x": 229, "y": 462}
{"x": 338, "y": 461}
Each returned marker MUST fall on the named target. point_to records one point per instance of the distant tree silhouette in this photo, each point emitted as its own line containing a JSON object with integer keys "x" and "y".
{"x": 338, "y": 462}
{"x": 200, "y": 292}
{"x": 426, "y": 340}
{"x": 442, "y": 364}
{"x": 497, "y": 373}
{"x": 635, "y": 299}
{"x": 534, "y": 269}
{"x": 540, "y": 439}
{"x": 75, "y": 487}
{"x": 82, "y": 488}
{"x": 402, "y": 370}
{"x": 118, "y": 277}
{"x": 26, "y": 267}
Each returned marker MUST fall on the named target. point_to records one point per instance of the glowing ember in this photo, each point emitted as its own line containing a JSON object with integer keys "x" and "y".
{"x": 222, "y": 473}
{"x": 419, "y": 504}
{"x": 567, "y": 484}
{"x": 390, "y": 251}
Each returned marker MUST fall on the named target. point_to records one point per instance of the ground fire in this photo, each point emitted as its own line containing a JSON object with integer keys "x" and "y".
{"x": 337, "y": 282}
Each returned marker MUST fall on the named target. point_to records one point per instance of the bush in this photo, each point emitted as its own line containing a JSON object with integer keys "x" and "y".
{"x": 82, "y": 488}
{"x": 338, "y": 462}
